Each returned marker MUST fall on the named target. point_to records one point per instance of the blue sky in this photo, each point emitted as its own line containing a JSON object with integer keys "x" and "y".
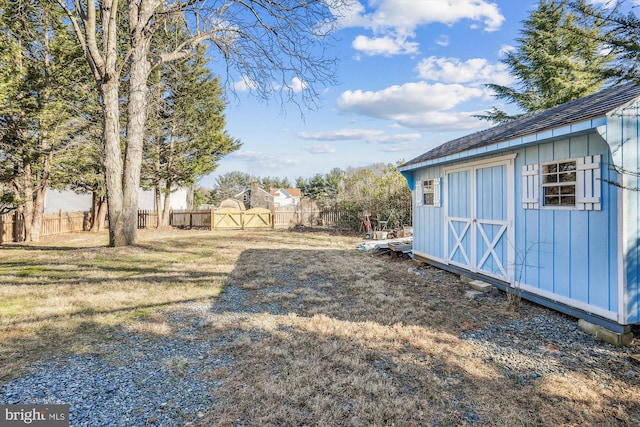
{"x": 411, "y": 75}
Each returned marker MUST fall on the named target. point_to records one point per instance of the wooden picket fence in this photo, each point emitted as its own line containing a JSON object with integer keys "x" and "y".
{"x": 291, "y": 216}
{"x": 12, "y": 225}
{"x": 147, "y": 219}
{"x": 225, "y": 218}
{"x": 230, "y": 218}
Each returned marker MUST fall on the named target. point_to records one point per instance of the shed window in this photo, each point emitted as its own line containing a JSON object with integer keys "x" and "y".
{"x": 559, "y": 183}
{"x": 427, "y": 192}
{"x": 573, "y": 183}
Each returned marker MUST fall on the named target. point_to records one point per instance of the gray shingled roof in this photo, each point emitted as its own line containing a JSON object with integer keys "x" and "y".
{"x": 589, "y": 107}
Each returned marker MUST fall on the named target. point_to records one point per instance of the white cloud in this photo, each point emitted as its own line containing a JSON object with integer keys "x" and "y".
{"x": 262, "y": 160}
{"x": 505, "y": 48}
{"x": 349, "y": 13}
{"x": 393, "y": 22}
{"x": 371, "y": 136}
{"x": 453, "y": 70}
{"x": 442, "y": 121}
{"x": 247, "y": 155}
{"x": 407, "y": 15}
{"x": 320, "y": 149}
{"x": 415, "y": 105}
{"x": 397, "y": 139}
{"x": 245, "y": 84}
{"x": 443, "y": 40}
{"x": 384, "y": 45}
{"x": 341, "y": 135}
{"x": 405, "y": 99}
{"x": 609, "y": 4}
{"x": 298, "y": 85}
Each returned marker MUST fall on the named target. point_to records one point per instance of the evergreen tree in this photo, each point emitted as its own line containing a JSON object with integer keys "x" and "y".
{"x": 41, "y": 72}
{"x": 322, "y": 189}
{"x": 269, "y": 182}
{"x": 189, "y": 137}
{"x": 621, "y": 37}
{"x": 558, "y": 58}
{"x": 228, "y": 185}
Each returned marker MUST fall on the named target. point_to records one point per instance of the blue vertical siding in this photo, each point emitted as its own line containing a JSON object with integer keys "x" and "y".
{"x": 567, "y": 252}
{"x": 572, "y": 255}
{"x": 547, "y": 257}
{"x": 428, "y": 223}
{"x": 491, "y": 204}
{"x": 623, "y": 133}
{"x": 580, "y": 283}
{"x": 459, "y": 206}
{"x": 528, "y": 228}
{"x": 458, "y": 194}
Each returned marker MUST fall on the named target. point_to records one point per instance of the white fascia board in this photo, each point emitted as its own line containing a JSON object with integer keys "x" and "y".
{"x": 531, "y": 139}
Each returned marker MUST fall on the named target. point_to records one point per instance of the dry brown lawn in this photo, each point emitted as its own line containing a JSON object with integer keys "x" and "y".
{"x": 318, "y": 332}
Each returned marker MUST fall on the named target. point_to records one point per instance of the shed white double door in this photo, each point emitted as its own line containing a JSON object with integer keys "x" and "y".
{"x": 479, "y": 207}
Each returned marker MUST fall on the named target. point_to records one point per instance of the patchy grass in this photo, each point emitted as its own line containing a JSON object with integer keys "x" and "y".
{"x": 71, "y": 292}
{"x": 318, "y": 333}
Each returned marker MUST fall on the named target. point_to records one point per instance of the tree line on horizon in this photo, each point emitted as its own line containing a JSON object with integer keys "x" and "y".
{"x": 378, "y": 188}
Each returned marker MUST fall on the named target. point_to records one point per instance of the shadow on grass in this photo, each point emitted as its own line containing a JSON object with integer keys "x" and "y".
{"x": 341, "y": 338}
{"x": 157, "y": 262}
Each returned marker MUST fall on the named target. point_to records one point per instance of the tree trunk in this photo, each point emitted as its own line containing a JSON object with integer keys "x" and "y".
{"x": 136, "y": 117}
{"x": 167, "y": 204}
{"x": 38, "y": 213}
{"x": 191, "y": 198}
{"x": 40, "y": 191}
{"x": 113, "y": 160}
{"x": 94, "y": 211}
{"x": 102, "y": 214}
{"x": 156, "y": 195}
{"x": 98, "y": 212}
{"x": 27, "y": 189}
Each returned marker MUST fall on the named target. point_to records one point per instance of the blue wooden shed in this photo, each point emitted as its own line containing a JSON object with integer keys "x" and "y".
{"x": 547, "y": 204}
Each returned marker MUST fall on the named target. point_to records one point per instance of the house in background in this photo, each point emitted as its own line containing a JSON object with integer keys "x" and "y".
{"x": 255, "y": 197}
{"x": 541, "y": 204}
{"x": 285, "y": 196}
{"x": 70, "y": 201}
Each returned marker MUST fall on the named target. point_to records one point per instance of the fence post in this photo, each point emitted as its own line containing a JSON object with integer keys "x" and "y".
{"x": 212, "y": 220}
{"x": 2, "y": 229}
{"x": 18, "y": 227}
{"x": 273, "y": 216}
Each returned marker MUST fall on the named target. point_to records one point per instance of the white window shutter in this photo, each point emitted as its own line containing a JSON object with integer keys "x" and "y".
{"x": 418, "y": 193}
{"x": 436, "y": 192}
{"x": 588, "y": 183}
{"x": 530, "y": 187}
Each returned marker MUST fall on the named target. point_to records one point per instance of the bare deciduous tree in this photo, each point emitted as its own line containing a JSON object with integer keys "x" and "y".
{"x": 276, "y": 47}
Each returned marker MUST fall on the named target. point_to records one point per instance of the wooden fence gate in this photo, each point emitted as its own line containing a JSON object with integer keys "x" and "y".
{"x": 258, "y": 218}
{"x": 228, "y": 218}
